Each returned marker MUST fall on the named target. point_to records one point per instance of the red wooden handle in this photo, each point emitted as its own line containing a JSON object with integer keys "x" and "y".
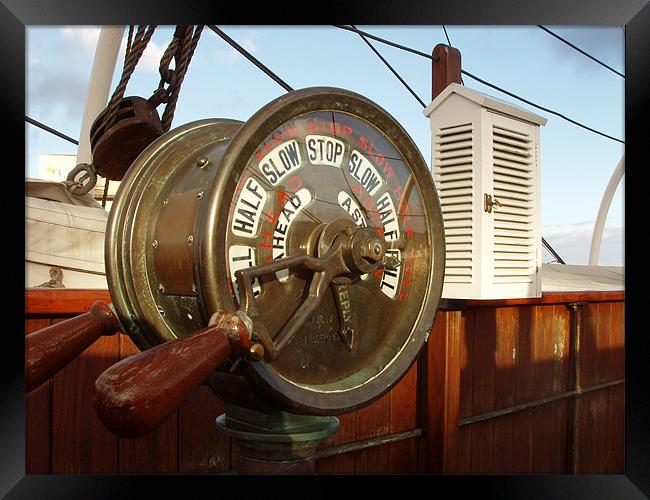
{"x": 136, "y": 395}
{"x": 50, "y": 349}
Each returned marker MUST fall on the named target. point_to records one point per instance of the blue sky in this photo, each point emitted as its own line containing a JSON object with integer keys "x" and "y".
{"x": 576, "y": 164}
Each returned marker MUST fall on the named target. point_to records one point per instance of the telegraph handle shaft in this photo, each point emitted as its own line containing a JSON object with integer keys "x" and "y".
{"x": 50, "y": 349}
{"x": 136, "y": 395}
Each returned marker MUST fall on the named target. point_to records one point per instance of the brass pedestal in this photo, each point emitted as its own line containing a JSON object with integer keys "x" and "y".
{"x": 278, "y": 442}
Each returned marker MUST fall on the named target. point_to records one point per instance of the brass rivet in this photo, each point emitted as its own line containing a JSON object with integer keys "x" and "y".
{"x": 154, "y": 243}
{"x": 161, "y": 287}
{"x": 202, "y": 162}
{"x": 256, "y": 352}
{"x": 165, "y": 203}
{"x": 190, "y": 239}
{"x": 199, "y": 195}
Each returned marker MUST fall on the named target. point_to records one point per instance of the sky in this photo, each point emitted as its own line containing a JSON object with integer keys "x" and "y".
{"x": 576, "y": 164}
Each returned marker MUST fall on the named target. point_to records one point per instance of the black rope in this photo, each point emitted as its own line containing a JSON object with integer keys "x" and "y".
{"x": 449, "y": 43}
{"x": 180, "y": 50}
{"x": 136, "y": 44}
{"x": 500, "y": 89}
{"x": 390, "y": 68}
{"x": 553, "y": 252}
{"x": 446, "y": 35}
{"x": 50, "y": 130}
{"x": 560, "y": 115}
{"x": 580, "y": 50}
{"x": 387, "y": 42}
{"x": 251, "y": 58}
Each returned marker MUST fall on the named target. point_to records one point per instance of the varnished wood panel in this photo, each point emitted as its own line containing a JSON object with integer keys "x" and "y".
{"x": 344, "y": 463}
{"x": 524, "y": 365}
{"x": 202, "y": 449}
{"x": 550, "y": 350}
{"x": 440, "y": 379}
{"x": 482, "y": 358}
{"x": 402, "y": 456}
{"x": 80, "y": 442}
{"x": 550, "y": 438}
{"x": 63, "y": 301}
{"x": 523, "y": 432}
{"x": 466, "y": 339}
{"x": 373, "y": 421}
{"x": 548, "y": 298}
{"x": 38, "y": 418}
{"x": 503, "y": 451}
{"x": 155, "y": 453}
{"x": 601, "y": 432}
{"x": 505, "y": 382}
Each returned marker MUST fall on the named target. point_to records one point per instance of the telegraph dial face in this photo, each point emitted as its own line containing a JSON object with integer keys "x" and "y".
{"x": 309, "y": 165}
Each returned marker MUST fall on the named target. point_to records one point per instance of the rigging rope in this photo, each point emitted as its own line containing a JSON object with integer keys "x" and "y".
{"x": 135, "y": 46}
{"x": 180, "y": 50}
{"x": 491, "y": 85}
{"x": 390, "y": 67}
{"x": 580, "y": 50}
{"x": 251, "y": 58}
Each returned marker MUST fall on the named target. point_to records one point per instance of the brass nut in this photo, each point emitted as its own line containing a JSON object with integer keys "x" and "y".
{"x": 372, "y": 250}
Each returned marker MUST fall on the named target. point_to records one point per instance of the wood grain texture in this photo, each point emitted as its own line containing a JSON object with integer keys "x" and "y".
{"x": 347, "y": 433}
{"x": 80, "y": 442}
{"x": 549, "y": 455}
{"x": 524, "y": 366}
{"x": 529, "y": 344}
{"x": 602, "y": 432}
{"x": 446, "y": 355}
{"x": 402, "y": 456}
{"x": 155, "y": 453}
{"x": 202, "y": 449}
{"x": 62, "y": 301}
{"x": 373, "y": 421}
{"x": 38, "y": 418}
{"x": 549, "y": 336}
{"x": 549, "y": 298}
{"x": 51, "y": 348}
{"x": 505, "y": 382}
{"x": 135, "y": 395}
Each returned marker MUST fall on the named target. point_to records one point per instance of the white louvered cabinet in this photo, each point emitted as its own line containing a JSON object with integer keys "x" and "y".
{"x": 486, "y": 166}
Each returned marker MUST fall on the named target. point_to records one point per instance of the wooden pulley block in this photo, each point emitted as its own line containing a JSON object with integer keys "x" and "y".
{"x": 115, "y": 148}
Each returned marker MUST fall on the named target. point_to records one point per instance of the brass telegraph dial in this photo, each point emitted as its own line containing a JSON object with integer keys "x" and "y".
{"x": 317, "y": 220}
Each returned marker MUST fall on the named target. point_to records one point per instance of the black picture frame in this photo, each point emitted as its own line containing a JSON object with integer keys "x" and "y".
{"x": 15, "y": 15}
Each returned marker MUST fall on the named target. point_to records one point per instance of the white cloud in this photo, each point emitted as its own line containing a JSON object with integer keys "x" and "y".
{"x": 150, "y": 59}
{"x": 84, "y": 37}
{"x": 230, "y": 56}
{"x": 573, "y": 242}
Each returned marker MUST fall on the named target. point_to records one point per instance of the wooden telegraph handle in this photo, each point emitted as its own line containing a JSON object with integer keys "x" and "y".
{"x": 50, "y": 349}
{"x": 136, "y": 395}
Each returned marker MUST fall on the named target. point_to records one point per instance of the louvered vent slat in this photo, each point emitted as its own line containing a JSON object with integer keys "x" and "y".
{"x": 514, "y": 230}
{"x": 454, "y": 177}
